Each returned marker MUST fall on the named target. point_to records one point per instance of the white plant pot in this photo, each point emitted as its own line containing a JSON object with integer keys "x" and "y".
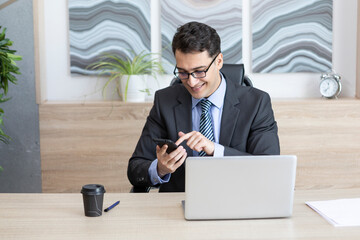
{"x": 136, "y": 87}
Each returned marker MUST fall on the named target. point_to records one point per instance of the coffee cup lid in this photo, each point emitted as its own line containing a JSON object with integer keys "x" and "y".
{"x": 93, "y": 189}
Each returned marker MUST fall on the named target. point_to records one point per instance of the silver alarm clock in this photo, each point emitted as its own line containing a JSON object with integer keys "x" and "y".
{"x": 330, "y": 85}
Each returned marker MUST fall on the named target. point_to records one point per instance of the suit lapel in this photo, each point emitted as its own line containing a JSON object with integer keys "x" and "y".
{"x": 183, "y": 116}
{"x": 229, "y": 115}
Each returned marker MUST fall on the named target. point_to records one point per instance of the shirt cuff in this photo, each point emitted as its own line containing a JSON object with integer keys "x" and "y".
{"x": 219, "y": 150}
{"x": 154, "y": 177}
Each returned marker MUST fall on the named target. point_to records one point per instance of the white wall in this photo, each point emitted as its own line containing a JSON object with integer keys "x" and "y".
{"x": 60, "y": 85}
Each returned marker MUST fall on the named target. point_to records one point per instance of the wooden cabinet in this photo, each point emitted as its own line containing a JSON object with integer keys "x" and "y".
{"x": 91, "y": 142}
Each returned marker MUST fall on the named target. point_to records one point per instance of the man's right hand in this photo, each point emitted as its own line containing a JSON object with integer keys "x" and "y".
{"x": 168, "y": 163}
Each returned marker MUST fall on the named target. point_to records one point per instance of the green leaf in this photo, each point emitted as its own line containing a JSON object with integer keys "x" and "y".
{"x": 4, "y": 138}
{"x": 4, "y": 99}
{"x": 5, "y": 85}
{"x": 14, "y": 57}
{"x": 4, "y": 42}
{"x": 9, "y": 43}
{"x": 7, "y": 69}
{"x": 12, "y": 78}
{"x": 2, "y": 35}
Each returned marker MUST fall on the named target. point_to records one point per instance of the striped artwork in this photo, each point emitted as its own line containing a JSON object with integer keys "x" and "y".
{"x": 106, "y": 26}
{"x": 224, "y": 16}
{"x": 291, "y": 36}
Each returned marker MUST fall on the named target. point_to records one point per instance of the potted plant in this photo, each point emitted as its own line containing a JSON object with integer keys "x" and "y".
{"x": 130, "y": 75}
{"x": 7, "y": 69}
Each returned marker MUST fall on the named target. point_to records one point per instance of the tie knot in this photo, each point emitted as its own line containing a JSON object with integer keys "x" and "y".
{"x": 205, "y": 105}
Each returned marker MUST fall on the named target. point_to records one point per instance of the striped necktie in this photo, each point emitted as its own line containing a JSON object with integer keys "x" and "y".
{"x": 206, "y": 127}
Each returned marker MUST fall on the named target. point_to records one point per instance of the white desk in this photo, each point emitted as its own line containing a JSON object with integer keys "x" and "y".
{"x": 156, "y": 216}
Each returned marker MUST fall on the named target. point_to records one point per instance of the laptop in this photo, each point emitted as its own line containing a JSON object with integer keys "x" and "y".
{"x": 242, "y": 187}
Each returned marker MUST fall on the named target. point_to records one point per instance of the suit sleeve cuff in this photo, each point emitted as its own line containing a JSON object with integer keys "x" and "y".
{"x": 219, "y": 150}
{"x": 154, "y": 177}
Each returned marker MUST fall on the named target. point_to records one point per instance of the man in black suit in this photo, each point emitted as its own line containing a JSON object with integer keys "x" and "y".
{"x": 241, "y": 118}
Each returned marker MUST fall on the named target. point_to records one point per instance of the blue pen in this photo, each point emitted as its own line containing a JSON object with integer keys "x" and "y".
{"x": 112, "y": 206}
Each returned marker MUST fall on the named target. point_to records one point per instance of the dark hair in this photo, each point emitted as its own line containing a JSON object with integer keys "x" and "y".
{"x": 196, "y": 37}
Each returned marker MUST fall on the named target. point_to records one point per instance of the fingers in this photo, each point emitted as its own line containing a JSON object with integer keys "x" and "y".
{"x": 168, "y": 163}
{"x": 181, "y": 139}
{"x": 177, "y": 155}
{"x": 181, "y": 161}
{"x": 197, "y": 142}
{"x": 161, "y": 150}
{"x": 184, "y": 137}
{"x": 164, "y": 157}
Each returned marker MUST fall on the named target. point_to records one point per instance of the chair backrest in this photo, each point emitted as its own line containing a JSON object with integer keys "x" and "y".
{"x": 235, "y": 72}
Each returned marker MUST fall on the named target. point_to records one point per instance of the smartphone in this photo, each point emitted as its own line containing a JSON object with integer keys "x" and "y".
{"x": 171, "y": 145}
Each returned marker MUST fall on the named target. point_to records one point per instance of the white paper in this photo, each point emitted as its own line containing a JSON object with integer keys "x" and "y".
{"x": 340, "y": 212}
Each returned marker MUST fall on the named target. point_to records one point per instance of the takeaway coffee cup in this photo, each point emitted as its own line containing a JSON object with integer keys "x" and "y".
{"x": 93, "y": 196}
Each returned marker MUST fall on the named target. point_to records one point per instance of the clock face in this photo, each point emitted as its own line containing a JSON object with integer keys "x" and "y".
{"x": 329, "y": 87}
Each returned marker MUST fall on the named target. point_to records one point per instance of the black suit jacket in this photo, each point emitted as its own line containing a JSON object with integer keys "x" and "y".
{"x": 247, "y": 127}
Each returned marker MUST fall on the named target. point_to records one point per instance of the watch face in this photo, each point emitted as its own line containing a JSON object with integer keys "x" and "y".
{"x": 329, "y": 87}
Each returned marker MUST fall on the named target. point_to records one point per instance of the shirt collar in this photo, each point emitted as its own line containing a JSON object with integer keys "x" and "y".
{"x": 217, "y": 98}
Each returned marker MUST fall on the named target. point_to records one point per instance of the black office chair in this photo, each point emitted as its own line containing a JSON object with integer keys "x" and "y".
{"x": 140, "y": 189}
{"x": 234, "y": 72}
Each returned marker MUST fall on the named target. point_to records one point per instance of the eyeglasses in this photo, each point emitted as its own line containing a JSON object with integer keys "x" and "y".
{"x": 195, "y": 74}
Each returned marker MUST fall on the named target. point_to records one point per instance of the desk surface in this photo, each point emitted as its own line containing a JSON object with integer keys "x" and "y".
{"x": 157, "y": 216}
